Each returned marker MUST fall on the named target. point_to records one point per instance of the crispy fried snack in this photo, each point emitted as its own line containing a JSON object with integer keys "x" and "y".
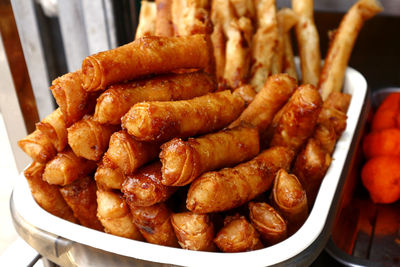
{"x": 333, "y": 118}
{"x": 237, "y": 236}
{"x": 144, "y": 187}
{"x": 326, "y": 135}
{"x": 119, "y": 98}
{"x": 275, "y": 93}
{"x": 73, "y": 100}
{"x": 194, "y": 231}
{"x": 289, "y": 66}
{"x": 81, "y": 197}
{"x": 145, "y": 56}
{"x": 154, "y": 224}
{"x": 129, "y": 154}
{"x": 38, "y": 146}
{"x": 268, "y": 222}
{"x": 164, "y": 25}
{"x": 263, "y": 47}
{"x": 89, "y": 139}
{"x": 289, "y": 198}
{"x": 338, "y": 100}
{"x": 115, "y": 216}
{"x": 160, "y": 121}
{"x": 147, "y": 19}
{"x": 191, "y": 17}
{"x": 298, "y": 120}
{"x": 108, "y": 175}
{"x": 46, "y": 195}
{"x": 184, "y": 161}
{"x": 308, "y": 41}
{"x": 244, "y": 8}
{"x": 218, "y": 40}
{"x": 232, "y": 187}
{"x": 66, "y": 167}
{"x": 54, "y": 127}
{"x": 336, "y": 60}
{"x": 246, "y": 92}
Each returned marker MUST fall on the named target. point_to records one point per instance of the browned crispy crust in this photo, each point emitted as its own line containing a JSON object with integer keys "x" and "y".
{"x": 164, "y": 18}
{"x": 246, "y": 92}
{"x": 38, "y": 146}
{"x": 108, "y": 175}
{"x": 55, "y": 128}
{"x": 338, "y": 100}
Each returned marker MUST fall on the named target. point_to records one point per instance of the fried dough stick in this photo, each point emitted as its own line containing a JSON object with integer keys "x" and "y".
{"x": 184, "y": 161}
{"x": 160, "y": 121}
{"x": 339, "y": 52}
{"x": 118, "y": 99}
{"x": 147, "y": 19}
{"x": 308, "y": 41}
{"x": 81, "y": 197}
{"x": 115, "y": 216}
{"x": 47, "y": 196}
{"x": 144, "y": 187}
{"x": 164, "y": 18}
{"x": 66, "y": 167}
{"x": 237, "y": 236}
{"x": 129, "y": 154}
{"x": 89, "y": 139}
{"x": 38, "y": 146}
{"x": 154, "y": 224}
{"x": 194, "y": 231}
{"x": 191, "y": 17}
{"x": 232, "y": 187}
{"x": 268, "y": 222}
{"x": 275, "y": 93}
{"x": 108, "y": 175}
{"x": 289, "y": 198}
{"x": 54, "y": 127}
{"x": 145, "y": 56}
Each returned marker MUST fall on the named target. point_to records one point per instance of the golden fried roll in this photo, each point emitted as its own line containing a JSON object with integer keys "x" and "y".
{"x": 238, "y": 236}
{"x": 160, "y": 121}
{"x": 145, "y": 56}
{"x": 147, "y": 19}
{"x": 271, "y": 226}
{"x": 54, "y": 127}
{"x": 246, "y": 92}
{"x": 275, "y": 93}
{"x": 333, "y": 117}
{"x": 164, "y": 18}
{"x": 144, "y": 187}
{"x": 299, "y": 118}
{"x": 38, "y": 146}
{"x": 232, "y": 187}
{"x": 47, "y": 196}
{"x": 310, "y": 167}
{"x": 218, "y": 40}
{"x": 108, "y": 175}
{"x": 288, "y": 66}
{"x": 66, "y": 167}
{"x": 115, "y": 215}
{"x": 184, "y": 161}
{"x": 338, "y": 100}
{"x": 340, "y": 48}
{"x": 73, "y": 100}
{"x": 194, "y": 231}
{"x": 289, "y": 198}
{"x": 89, "y": 139}
{"x": 326, "y": 136}
{"x": 81, "y": 197}
{"x": 129, "y": 154}
{"x": 154, "y": 224}
{"x": 119, "y": 98}
{"x": 308, "y": 41}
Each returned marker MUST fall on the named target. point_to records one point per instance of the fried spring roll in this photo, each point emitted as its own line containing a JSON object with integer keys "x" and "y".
{"x": 275, "y": 93}
{"x": 119, "y": 98}
{"x": 289, "y": 198}
{"x": 160, "y": 121}
{"x": 129, "y": 154}
{"x": 147, "y": 19}
{"x": 108, "y": 175}
{"x": 289, "y": 66}
{"x": 246, "y": 92}
{"x": 238, "y": 236}
{"x": 218, "y": 40}
{"x": 194, "y": 231}
{"x": 164, "y": 18}
{"x": 308, "y": 41}
{"x": 66, "y": 167}
{"x": 268, "y": 222}
{"x": 244, "y": 8}
{"x": 47, "y": 196}
{"x": 232, "y": 187}
{"x": 338, "y": 100}
{"x": 340, "y": 48}
{"x": 73, "y": 100}
{"x": 89, "y": 139}
{"x": 333, "y": 117}
{"x": 145, "y": 56}
{"x": 183, "y": 161}
{"x": 38, "y": 146}
{"x": 115, "y": 216}
{"x": 144, "y": 187}
{"x": 54, "y": 127}
{"x": 154, "y": 224}
{"x": 299, "y": 118}
{"x": 326, "y": 135}
{"x": 81, "y": 197}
